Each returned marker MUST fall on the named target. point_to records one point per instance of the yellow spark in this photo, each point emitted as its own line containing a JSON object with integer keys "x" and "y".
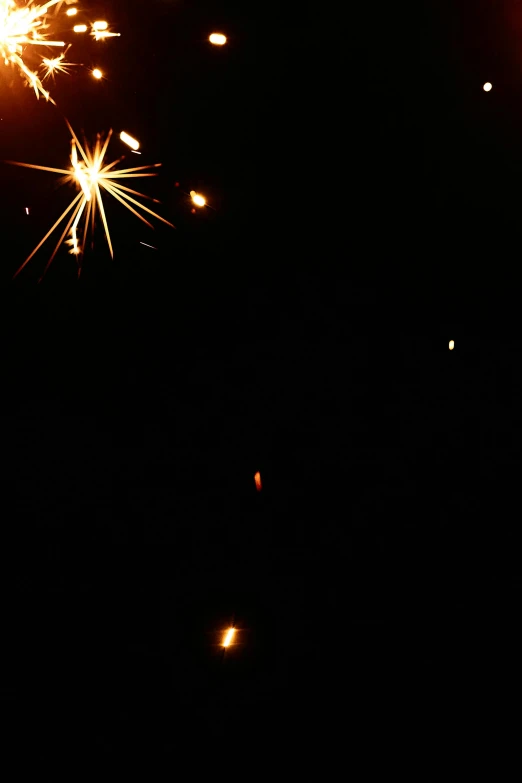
{"x": 52, "y": 65}
{"x": 80, "y": 28}
{"x": 100, "y": 26}
{"x": 217, "y": 39}
{"x": 227, "y": 641}
{"x": 451, "y": 345}
{"x": 487, "y": 87}
{"x": 21, "y": 28}
{"x": 198, "y": 200}
{"x": 129, "y": 140}
{"x": 97, "y": 73}
{"x": 91, "y": 175}
{"x": 99, "y": 35}
{"x": 72, "y": 12}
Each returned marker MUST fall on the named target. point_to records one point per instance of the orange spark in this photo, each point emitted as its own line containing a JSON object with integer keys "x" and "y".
{"x": 257, "y": 479}
{"x": 227, "y": 641}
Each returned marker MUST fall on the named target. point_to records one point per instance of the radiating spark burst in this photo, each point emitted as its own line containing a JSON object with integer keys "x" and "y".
{"x": 52, "y": 65}
{"x": 20, "y": 28}
{"x": 90, "y": 174}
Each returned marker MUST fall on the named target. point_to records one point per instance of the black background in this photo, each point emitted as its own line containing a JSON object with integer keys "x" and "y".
{"x": 366, "y": 212}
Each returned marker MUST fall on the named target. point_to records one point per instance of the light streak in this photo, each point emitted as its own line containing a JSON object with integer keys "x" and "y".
{"x": 99, "y": 35}
{"x": 129, "y": 140}
{"x": 227, "y": 641}
{"x": 91, "y": 175}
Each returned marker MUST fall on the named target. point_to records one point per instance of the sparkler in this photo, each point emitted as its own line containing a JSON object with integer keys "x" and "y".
{"x": 20, "y": 28}
{"x": 90, "y": 174}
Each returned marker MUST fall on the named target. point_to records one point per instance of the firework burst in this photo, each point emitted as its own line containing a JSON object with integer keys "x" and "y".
{"x": 21, "y": 28}
{"x": 90, "y": 175}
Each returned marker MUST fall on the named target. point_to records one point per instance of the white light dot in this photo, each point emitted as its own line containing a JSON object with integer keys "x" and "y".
{"x": 451, "y": 345}
{"x": 218, "y": 39}
{"x": 487, "y": 87}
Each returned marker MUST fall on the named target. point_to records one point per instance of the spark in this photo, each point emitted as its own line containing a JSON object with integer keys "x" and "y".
{"x": 27, "y": 210}
{"x": 218, "y": 39}
{"x": 487, "y": 87}
{"x": 100, "y": 31}
{"x": 451, "y": 345}
{"x": 80, "y": 28}
{"x": 97, "y": 73}
{"x": 56, "y": 64}
{"x": 129, "y": 140}
{"x": 90, "y": 174}
{"x": 99, "y": 35}
{"x": 21, "y": 28}
{"x": 72, "y": 12}
{"x": 146, "y": 245}
{"x": 227, "y": 641}
{"x": 257, "y": 479}
{"x": 198, "y": 200}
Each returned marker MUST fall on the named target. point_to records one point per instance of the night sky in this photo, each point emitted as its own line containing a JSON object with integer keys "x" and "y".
{"x": 365, "y": 211}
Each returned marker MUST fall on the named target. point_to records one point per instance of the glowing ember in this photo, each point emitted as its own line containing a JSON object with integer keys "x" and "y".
{"x": 198, "y": 200}
{"x": 80, "y": 28}
{"x": 451, "y": 345}
{"x": 487, "y": 87}
{"x": 72, "y": 12}
{"x": 217, "y": 39}
{"x": 97, "y": 73}
{"x": 129, "y": 140}
{"x": 257, "y": 479}
{"x": 227, "y": 641}
{"x": 100, "y": 26}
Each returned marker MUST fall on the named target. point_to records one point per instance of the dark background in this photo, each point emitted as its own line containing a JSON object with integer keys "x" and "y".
{"x": 366, "y": 195}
